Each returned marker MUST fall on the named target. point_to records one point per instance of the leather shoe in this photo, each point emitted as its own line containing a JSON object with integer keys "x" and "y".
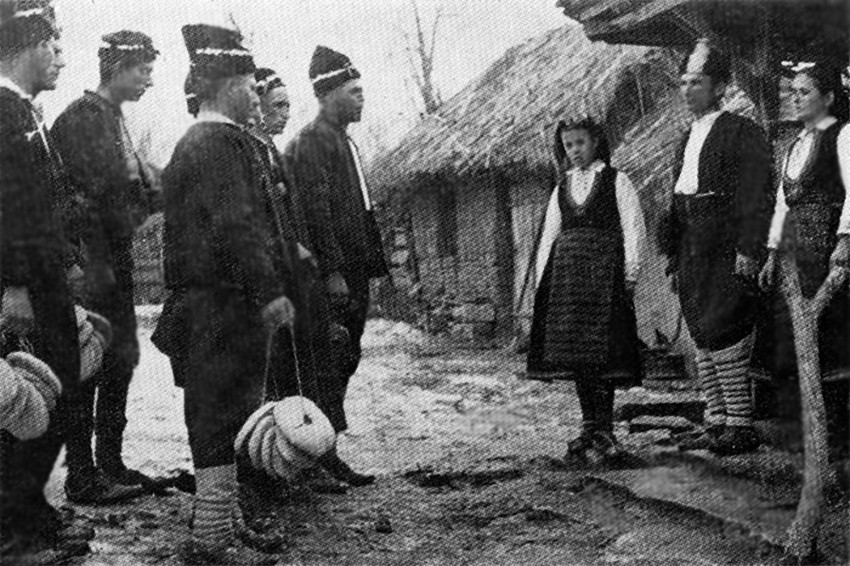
{"x": 54, "y": 555}
{"x": 343, "y": 472}
{"x": 580, "y": 445}
{"x": 58, "y": 531}
{"x": 130, "y": 477}
{"x": 320, "y": 480}
{"x": 700, "y": 440}
{"x": 607, "y": 444}
{"x": 196, "y": 554}
{"x": 100, "y": 490}
{"x": 714, "y": 430}
{"x": 736, "y": 440}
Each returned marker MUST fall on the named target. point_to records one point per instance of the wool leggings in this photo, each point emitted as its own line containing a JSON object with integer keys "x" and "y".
{"x": 214, "y": 506}
{"x": 726, "y": 384}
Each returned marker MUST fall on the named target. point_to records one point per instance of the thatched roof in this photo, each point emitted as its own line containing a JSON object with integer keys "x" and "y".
{"x": 505, "y": 118}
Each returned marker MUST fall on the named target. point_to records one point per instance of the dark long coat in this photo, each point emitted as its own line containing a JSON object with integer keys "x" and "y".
{"x": 89, "y": 135}
{"x": 345, "y": 238}
{"x": 224, "y": 258}
{"x": 342, "y": 230}
{"x": 109, "y": 206}
{"x": 35, "y": 255}
{"x": 729, "y": 214}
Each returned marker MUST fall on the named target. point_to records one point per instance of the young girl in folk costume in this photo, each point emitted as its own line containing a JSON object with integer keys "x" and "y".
{"x": 812, "y": 221}
{"x": 584, "y": 326}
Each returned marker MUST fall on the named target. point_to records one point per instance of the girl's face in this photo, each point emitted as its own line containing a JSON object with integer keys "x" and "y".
{"x": 810, "y": 104}
{"x": 579, "y": 146}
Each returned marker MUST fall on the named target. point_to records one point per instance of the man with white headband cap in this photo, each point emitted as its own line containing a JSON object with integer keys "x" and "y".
{"x": 715, "y": 241}
{"x": 223, "y": 256}
{"x": 36, "y": 307}
{"x": 114, "y": 196}
{"x": 330, "y": 180}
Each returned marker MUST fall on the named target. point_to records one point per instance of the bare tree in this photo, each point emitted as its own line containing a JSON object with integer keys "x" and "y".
{"x": 420, "y": 56}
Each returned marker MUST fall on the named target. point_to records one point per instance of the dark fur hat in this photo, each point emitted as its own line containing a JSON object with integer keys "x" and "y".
{"x": 330, "y": 69}
{"x": 25, "y": 23}
{"x": 217, "y": 52}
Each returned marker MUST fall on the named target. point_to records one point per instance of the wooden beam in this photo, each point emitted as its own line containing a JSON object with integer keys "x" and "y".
{"x": 618, "y": 7}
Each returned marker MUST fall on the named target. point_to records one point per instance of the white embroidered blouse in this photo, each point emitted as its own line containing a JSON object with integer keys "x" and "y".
{"x": 628, "y": 205}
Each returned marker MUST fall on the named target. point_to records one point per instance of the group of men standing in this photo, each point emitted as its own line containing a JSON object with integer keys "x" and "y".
{"x": 268, "y": 259}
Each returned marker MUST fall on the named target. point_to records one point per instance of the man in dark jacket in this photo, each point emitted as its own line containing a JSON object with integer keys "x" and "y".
{"x": 36, "y": 305}
{"x": 345, "y": 238}
{"x": 114, "y": 196}
{"x": 224, "y": 256}
{"x": 721, "y": 212}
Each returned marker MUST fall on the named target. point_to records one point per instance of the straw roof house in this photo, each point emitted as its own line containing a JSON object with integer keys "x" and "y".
{"x": 505, "y": 118}
{"x": 466, "y": 189}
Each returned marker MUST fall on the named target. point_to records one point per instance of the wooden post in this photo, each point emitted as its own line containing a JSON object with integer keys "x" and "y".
{"x": 817, "y": 475}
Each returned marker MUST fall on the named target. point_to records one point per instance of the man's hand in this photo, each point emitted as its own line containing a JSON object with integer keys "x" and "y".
{"x": 841, "y": 254}
{"x": 337, "y": 285}
{"x": 746, "y": 268}
{"x": 338, "y": 290}
{"x": 306, "y": 256}
{"x": 304, "y": 253}
{"x": 17, "y": 315}
{"x": 767, "y": 277}
{"x": 279, "y": 312}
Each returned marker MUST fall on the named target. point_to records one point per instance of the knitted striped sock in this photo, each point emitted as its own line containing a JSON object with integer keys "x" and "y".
{"x": 715, "y": 413}
{"x": 216, "y": 490}
{"x": 733, "y": 366}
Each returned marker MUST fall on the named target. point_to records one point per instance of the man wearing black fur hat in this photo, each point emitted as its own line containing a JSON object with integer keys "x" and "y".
{"x": 223, "y": 255}
{"x": 114, "y": 196}
{"x": 721, "y": 212}
{"x": 345, "y": 238}
{"x": 36, "y": 304}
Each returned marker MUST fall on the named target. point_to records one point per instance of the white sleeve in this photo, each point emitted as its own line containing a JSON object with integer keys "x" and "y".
{"x": 844, "y": 166}
{"x": 780, "y": 210}
{"x": 551, "y": 229}
{"x": 632, "y": 223}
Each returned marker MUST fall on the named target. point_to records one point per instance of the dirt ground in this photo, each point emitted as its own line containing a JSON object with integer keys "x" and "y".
{"x": 468, "y": 459}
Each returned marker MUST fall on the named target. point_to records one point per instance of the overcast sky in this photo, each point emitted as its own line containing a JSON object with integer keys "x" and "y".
{"x": 283, "y": 34}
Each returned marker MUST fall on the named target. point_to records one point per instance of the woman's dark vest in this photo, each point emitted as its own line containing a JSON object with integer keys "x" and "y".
{"x": 815, "y": 200}
{"x": 599, "y": 211}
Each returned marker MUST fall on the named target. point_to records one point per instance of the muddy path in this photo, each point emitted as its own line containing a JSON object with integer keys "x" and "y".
{"x": 468, "y": 459}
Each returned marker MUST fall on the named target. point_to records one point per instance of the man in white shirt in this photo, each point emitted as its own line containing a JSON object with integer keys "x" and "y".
{"x": 715, "y": 241}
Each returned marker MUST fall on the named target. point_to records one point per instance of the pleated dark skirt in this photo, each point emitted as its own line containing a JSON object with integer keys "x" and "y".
{"x": 584, "y": 322}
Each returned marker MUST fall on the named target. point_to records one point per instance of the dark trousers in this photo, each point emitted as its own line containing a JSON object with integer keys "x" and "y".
{"x": 225, "y": 369}
{"x": 26, "y": 466}
{"x": 336, "y": 358}
{"x": 107, "y": 420}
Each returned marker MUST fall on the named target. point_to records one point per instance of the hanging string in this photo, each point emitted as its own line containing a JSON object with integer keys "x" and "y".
{"x": 307, "y": 419}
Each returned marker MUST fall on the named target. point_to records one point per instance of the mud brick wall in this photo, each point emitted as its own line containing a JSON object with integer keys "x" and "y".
{"x": 437, "y": 274}
{"x": 484, "y": 257}
{"x": 528, "y": 206}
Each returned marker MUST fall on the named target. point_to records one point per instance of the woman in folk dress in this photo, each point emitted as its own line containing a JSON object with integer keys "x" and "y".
{"x": 812, "y": 221}
{"x": 588, "y": 261}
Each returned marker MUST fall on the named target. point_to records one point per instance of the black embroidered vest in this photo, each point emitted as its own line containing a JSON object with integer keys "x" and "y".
{"x": 820, "y": 180}
{"x": 598, "y": 211}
